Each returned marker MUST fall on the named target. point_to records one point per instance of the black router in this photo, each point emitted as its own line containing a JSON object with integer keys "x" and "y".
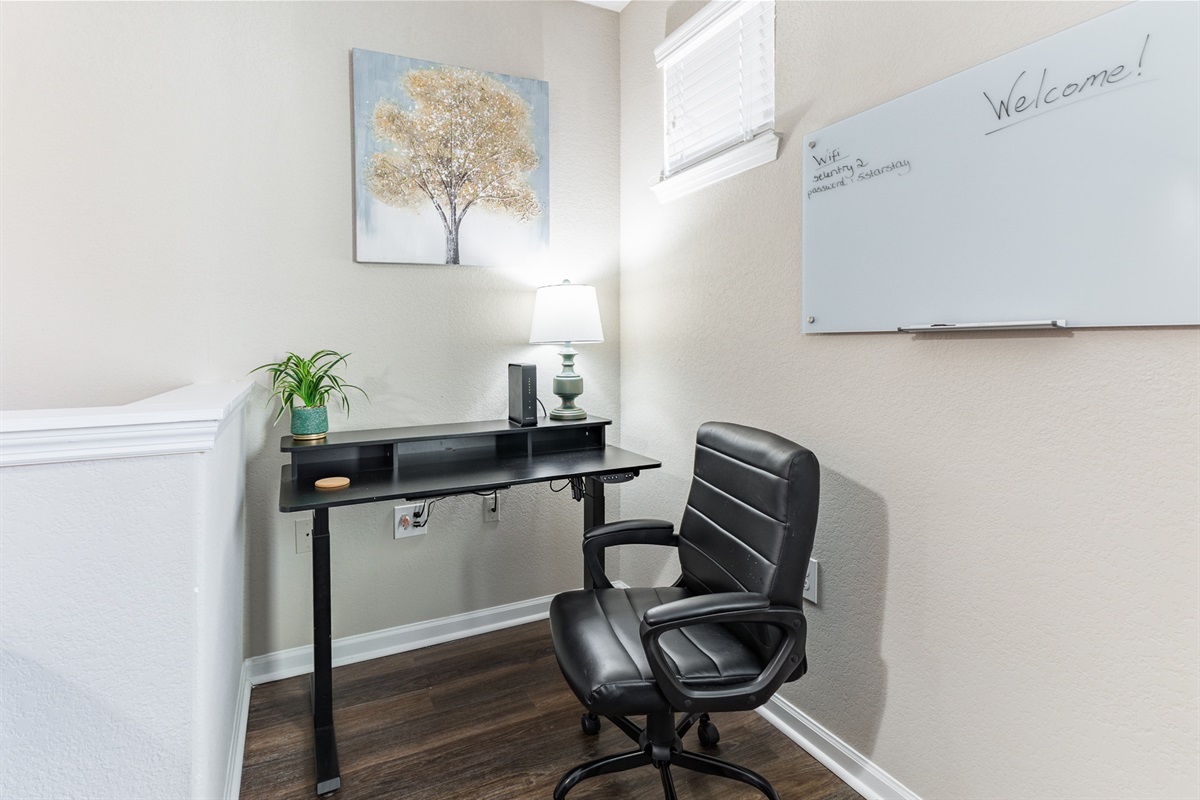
{"x": 522, "y": 394}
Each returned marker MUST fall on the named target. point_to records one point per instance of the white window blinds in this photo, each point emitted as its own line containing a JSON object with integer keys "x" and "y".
{"x": 718, "y": 81}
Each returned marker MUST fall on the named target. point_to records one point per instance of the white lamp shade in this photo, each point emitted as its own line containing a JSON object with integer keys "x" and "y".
{"x": 566, "y": 312}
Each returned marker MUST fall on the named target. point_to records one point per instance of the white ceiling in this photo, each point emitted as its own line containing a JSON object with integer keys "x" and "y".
{"x": 611, "y": 5}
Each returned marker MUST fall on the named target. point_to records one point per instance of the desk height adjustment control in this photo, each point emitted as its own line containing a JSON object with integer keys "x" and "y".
{"x": 619, "y": 477}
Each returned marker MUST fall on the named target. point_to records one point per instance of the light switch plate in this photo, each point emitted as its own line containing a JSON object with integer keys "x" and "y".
{"x": 303, "y": 536}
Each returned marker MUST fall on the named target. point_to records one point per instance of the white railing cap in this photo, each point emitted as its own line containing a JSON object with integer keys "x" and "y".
{"x": 184, "y": 420}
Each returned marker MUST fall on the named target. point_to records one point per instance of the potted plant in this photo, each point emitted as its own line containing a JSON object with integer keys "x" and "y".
{"x": 303, "y": 385}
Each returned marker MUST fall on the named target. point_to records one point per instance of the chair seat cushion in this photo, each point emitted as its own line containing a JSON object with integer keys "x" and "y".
{"x": 600, "y": 653}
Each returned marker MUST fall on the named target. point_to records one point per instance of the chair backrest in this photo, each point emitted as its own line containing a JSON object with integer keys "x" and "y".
{"x": 750, "y": 518}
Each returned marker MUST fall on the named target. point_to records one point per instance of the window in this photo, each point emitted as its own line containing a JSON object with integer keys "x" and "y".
{"x": 718, "y": 95}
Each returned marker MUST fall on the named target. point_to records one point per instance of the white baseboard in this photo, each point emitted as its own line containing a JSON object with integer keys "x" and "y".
{"x": 859, "y": 772}
{"x": 237, "y": 744}
{"x": 365, "y": 646}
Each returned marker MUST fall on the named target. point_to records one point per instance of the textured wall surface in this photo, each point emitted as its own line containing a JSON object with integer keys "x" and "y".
{"x": 177, "y": 207}
{"x": 220, "y": 545}
{"x": 1008, "y": 529}
{"x": 98, "y": 628}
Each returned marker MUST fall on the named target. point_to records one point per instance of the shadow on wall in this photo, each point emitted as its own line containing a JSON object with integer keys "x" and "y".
{"x": 789, "y": 124}
{"x": 263, "y": 462}
{"x": 649, "y": 565}
{"x": 112, "y": 753}
{"x": 846, "y": 685}
{"x": 680, "y": 13}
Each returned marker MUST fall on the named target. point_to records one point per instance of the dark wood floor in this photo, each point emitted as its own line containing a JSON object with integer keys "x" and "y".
{"x": 487, "y": 717}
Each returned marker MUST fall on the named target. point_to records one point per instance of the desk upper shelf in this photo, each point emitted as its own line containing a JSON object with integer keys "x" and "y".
{"x": 450, "y": 430}
{"x": 433, "y": 460}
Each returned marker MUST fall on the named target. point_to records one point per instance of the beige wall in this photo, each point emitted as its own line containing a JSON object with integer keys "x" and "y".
{"x": 177, "y": 207}
{"x": 1008, "y": 528}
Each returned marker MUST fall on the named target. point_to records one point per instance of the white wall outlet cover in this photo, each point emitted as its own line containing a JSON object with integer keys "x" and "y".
{"x": 410, "y": 519}
{"x": 811, "y": 580}
{"x": 491, "y": 508}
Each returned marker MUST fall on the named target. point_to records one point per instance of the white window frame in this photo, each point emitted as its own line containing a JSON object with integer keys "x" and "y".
{"x": 741, "y": 154}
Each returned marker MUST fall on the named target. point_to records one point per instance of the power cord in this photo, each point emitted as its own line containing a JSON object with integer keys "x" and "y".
{"x": 576, "y": 484}
{"x": 421, "y": 518}
{"x": 492, "y": 494}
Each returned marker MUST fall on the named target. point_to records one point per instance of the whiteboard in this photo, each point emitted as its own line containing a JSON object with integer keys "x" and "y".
{"x": 1060, "y": 181}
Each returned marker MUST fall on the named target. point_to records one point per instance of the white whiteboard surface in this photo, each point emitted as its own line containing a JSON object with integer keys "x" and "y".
{"x": 1059, "y": 181}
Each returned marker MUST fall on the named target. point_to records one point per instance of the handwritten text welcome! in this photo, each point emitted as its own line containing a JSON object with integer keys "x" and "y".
{"x": 1051, "y": 90}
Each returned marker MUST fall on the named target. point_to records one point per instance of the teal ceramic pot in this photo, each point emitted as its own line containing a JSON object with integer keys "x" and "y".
{"x": 309, "y": 423}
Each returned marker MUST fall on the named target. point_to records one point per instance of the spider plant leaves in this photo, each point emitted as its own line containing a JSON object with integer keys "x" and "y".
{"x": 309, "y": 381}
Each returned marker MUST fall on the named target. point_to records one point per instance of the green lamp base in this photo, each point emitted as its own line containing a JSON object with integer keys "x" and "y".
{"x": 567, "y": 385}
{"x": 563, "y": 412}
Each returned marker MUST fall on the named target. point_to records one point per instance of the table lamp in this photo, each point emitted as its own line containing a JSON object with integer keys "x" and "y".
{"x": 566, "y": 313}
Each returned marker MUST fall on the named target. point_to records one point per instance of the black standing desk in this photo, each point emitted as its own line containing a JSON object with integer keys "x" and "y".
{"x": 432, "y": 461}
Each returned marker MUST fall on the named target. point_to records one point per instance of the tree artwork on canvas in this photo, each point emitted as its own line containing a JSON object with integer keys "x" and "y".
{"x": 466, "y": 142}
{"x": 450, "y": 142}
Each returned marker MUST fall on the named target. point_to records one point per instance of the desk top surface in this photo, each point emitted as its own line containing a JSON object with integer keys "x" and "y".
{"x": 458, "y": 476}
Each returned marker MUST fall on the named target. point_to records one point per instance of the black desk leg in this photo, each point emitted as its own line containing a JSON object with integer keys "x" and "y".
{"x": 593, "y": 515}
{"x": 328, "y": 776}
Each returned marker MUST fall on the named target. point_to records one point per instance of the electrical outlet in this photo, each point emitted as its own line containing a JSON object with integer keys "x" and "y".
{"x": 491, "y": 508}
{"x": 304, "y": 535}
{"x": 410, "y": 519}
{"x": 810, "y": 580}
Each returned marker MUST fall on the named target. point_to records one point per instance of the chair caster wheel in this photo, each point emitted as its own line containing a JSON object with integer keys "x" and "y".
{"x": 590, "y": 724}
{"x": 708, "y": 734}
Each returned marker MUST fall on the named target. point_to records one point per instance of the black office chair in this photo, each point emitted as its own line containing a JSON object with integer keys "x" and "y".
{"x": 730, "y": 631}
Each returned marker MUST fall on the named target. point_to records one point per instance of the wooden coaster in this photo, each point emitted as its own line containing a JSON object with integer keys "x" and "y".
{"x": 333, "y": 483}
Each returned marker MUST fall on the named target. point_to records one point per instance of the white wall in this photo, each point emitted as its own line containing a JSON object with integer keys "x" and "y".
{"x": 97, "y": 629}
{"x": 220, "y": 614}
{"x": 121, "y": 597}
{"x": 1008, "y": 529}
{"x": 177, "y": 207}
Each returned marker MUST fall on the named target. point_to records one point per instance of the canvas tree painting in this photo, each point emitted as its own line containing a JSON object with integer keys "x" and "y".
{"x": 451, "y": 164}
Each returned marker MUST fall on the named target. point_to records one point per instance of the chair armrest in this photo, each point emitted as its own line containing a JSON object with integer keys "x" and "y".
{"x": 629, "y": 531}
{"x": 701, "y": 605}
{"x": 721, "y": 608}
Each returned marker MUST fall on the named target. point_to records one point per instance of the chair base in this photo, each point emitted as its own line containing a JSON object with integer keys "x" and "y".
{"x": 659, "y": 745}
